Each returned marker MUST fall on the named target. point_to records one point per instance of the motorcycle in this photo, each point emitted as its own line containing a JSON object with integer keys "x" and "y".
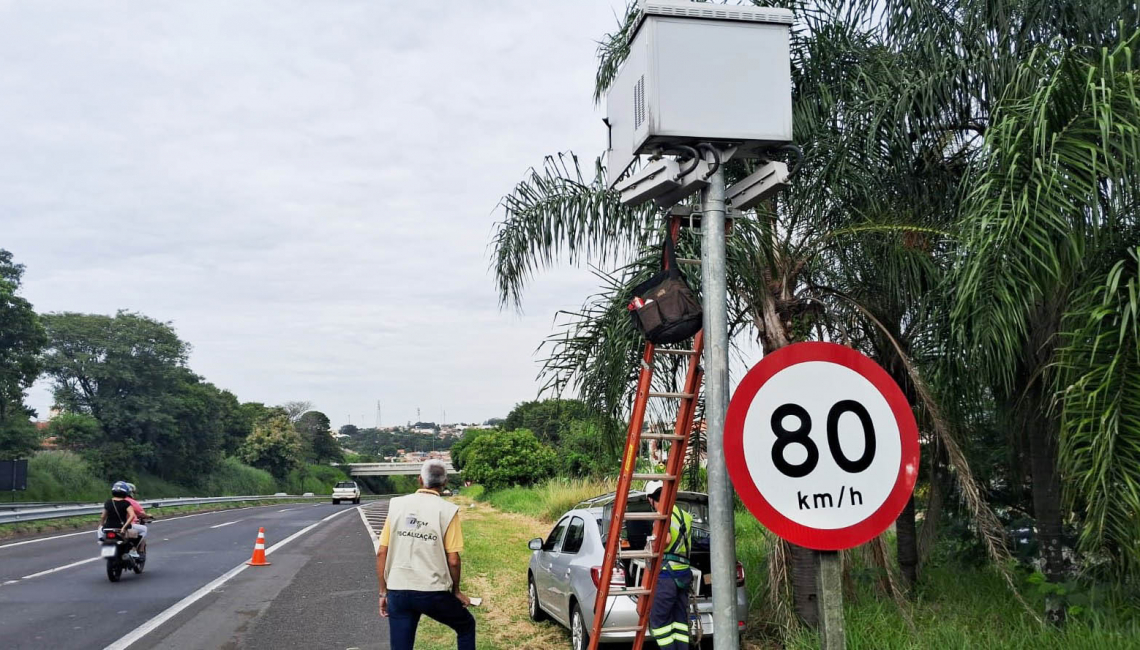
{"x": 116, "y": 548}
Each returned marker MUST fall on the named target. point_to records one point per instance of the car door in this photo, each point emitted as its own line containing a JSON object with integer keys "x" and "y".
{"x": 544, "y": 579}
{"x": 560, "y": 578}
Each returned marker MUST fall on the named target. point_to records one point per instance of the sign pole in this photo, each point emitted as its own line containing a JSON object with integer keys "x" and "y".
{"x": 829, "y": 591}
{"x": 714, "y": 296}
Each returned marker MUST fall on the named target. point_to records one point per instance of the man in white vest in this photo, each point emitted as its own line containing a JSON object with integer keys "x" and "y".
{"x": 418, "y": 563}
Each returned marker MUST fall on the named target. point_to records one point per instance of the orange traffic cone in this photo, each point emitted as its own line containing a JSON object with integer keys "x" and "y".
{"x": 258, "y": 558}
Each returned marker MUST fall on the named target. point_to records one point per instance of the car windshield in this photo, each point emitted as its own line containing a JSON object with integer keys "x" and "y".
{"x": 346, "y": 484}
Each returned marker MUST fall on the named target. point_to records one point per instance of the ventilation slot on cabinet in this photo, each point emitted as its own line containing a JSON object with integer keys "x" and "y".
{"x": 639, "y": 102}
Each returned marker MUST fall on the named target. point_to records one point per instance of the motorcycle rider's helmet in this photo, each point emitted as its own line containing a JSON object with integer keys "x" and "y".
{"x": 121, "y": 489}
{"x": 132, "y": 488}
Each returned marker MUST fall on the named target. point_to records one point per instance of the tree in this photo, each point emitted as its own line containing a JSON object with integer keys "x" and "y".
{"x": 128, "y": 372}
{"x": 350, "y": 430}
{"x": 274, "y": 445}
{"x": 549, "y": 419}
{"x": 21, "y": 339}
{"x": 295, "y": 409}
{"x": 320, "y": 445}
{"x": 504, "y": 458}
{"x": 460, "y": 448}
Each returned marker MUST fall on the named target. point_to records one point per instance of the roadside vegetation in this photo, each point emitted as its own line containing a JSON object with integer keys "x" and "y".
{"x": 959, "y": 602}
{"x": 59, "y": 475}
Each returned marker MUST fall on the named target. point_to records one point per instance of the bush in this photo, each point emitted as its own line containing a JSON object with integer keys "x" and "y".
{"x": 63, "y": 476}
{"x": 504, "y": 458}
{"x": 234, "y": 478}
{"x": 318, "y": 479}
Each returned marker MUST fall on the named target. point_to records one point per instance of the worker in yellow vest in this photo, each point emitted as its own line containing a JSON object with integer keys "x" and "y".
{"x": 669, "y": 618}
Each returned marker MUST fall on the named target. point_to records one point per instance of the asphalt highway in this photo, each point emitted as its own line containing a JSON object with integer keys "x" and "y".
{"x": 196, "y": 592}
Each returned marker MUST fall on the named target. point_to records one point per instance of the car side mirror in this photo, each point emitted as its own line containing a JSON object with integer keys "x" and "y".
{"x": 535, "y": 544}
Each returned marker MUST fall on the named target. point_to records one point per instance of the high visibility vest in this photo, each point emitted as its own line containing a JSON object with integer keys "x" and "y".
{"x": 681, "y": 539}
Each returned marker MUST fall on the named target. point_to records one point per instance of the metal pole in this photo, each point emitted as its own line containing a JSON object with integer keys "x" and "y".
{"x": 714, "y": 296}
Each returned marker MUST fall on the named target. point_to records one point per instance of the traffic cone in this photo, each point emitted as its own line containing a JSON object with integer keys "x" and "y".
{"x": 258, "y": 558}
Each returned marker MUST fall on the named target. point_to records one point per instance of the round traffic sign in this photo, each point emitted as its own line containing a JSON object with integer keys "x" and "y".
{"x": 821, "y": 445}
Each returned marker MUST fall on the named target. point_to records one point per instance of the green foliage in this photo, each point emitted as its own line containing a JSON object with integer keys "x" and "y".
{"x": 319, "y": 444}
{"x": 234, "y": 478}
{"x": 128, "y": 372}
{"x": 584, "y": 451}
{"x": 274, "y": 445}
{"x": 384, "y": 443}
{"x": 21, "y": 339}
{"x": 318, "y": 479}
{"x": 460, "y": 448}
{"x": 63, "y": 476}
{"x": 506, "y": 458}
{"x": 546, "y": 501}
{"x": 549, "y": 419}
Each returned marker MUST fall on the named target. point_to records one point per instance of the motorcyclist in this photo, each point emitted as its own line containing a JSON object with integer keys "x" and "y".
{"x": 117, "y": 511}
{"x": 139, "y": 526}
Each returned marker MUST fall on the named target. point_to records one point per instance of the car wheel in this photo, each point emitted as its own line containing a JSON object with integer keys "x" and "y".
{"x": 336, "y": 502}
{"x": 533, "y": 608}
{"x": 357, "y": 501}
{"x": 579, "y": 637}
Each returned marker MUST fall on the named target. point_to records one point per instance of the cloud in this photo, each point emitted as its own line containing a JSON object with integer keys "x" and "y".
{"x": 306, "y": 190}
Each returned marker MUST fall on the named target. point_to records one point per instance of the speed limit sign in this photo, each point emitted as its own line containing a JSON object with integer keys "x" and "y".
{"x": 821, "y": 445}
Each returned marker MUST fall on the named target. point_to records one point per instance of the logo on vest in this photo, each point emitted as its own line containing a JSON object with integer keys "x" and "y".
{"x": 412, "y": 528}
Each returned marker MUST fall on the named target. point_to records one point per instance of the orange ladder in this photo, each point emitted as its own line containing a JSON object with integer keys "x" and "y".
{"x": 670, "y": 479}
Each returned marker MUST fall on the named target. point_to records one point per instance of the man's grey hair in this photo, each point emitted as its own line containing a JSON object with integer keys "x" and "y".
{"x": 434, "y": 474}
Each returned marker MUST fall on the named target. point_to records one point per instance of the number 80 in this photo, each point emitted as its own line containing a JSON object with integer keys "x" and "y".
{"x": 800, "y": 436}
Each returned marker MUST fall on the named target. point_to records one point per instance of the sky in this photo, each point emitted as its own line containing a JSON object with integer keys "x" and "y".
{"x": 306, "y": 191}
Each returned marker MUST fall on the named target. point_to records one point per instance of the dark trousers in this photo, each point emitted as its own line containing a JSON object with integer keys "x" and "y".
{"x": 406, "y": 607}
{"x": 669, "y": 618}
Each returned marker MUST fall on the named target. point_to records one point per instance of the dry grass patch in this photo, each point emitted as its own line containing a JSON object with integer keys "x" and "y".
{"x": 494, "y": 567}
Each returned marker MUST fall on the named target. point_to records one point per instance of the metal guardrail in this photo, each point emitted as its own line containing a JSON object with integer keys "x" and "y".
{"x": 33, "y": 512}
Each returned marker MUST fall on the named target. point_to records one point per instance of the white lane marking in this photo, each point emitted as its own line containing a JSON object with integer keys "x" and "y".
{"x": 286, "y": 509}
{"x": 227, "y": 523}
{"x": 10, "y": 582}
{"x": 173, "y": 610}
{"x": 371, "y": 535}
{"x": 61, "y": 568}
{"x": 44, "y": 539}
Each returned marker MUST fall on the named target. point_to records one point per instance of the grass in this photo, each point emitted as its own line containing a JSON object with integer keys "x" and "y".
{"x": 495, "y": 558}
{"x": 955, "y": 606}
{"x": 547, "y": 501}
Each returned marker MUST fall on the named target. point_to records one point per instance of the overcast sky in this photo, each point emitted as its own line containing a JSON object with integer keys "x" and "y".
{"x": 306, "y": 190}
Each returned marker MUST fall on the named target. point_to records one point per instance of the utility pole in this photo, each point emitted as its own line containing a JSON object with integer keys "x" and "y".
{"x": 714, "y": 296}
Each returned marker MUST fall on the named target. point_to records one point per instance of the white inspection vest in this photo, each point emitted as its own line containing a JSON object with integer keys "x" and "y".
{"x": 417, "y": 560}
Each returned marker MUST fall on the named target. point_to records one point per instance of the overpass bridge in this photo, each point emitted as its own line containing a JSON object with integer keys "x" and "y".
{"x": 388, "y": 469}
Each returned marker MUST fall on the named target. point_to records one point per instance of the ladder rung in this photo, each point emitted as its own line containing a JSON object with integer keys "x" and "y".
{"x": 636, "y": 591}
{"x": 636, "y": 555}
{"x": 644, "y": 516}
{"x": 673, "y": 351}
{"x": 661, "y": 436}
{"x": 673, "y": 395}
{"x": 688, "y": 260}
{"x": 654, "y": 477}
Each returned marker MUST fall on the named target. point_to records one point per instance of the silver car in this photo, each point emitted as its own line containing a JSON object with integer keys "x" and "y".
{"x": 565, "y": 569}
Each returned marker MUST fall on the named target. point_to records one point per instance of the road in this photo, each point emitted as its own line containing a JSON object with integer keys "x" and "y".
{"x": 196, "y": 592}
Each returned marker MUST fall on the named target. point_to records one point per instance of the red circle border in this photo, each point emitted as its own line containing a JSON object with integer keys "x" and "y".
{"x": 822, "y": 539}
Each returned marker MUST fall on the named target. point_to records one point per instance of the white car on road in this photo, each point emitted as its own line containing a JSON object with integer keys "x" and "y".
{"x": 346, "y": 491}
